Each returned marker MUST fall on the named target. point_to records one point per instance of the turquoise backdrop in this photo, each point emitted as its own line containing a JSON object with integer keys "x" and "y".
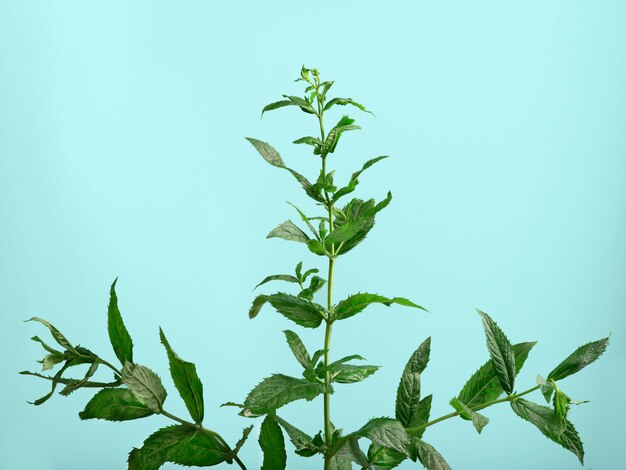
{"x": 122, "y": 153}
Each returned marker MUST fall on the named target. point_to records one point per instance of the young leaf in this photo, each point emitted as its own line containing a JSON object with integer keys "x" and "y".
{"x": 390, "y": 433}
{"x": 278, "y": 277}
{"x": 484, "y": 386}
{"x": 289, "y": 231}
{"x": 343, "y": 102}
{"x": 579, "y": 359}
{"x": 408, "y": 395}
{"x": 354, "y": 180}
{"x": 430, "y": 458}
{"x": 344, "y": 124}
{"x": 314, "y": 141}
{"x": 356, "y": 303}
{"x": 186, "y": 381}
{"x": 272, "y": 443}
{"x": 276, "y": 105}
{"x": 347, "y": 373}
{"x": 115, "y": 404}
{"x": 244, "y": 436}
{"x": 501, "y": 353}
{"x": 181, "y": 444}
{"x": 301, "y": 441}
{"x": 55, "y": 381}
{"x": 546, "y": 420}
{"x": 297, "y": 348}
{"x": 145, "y": 385}
{"x": 118, "y": 334}
{"x": 277, "y": 391}
{"x": 546, "y": 387}
{"x": 422, "y": 417}
{"x": 74, "y": 385}
{"x": 479, "y": 421}
{"x": 56, "y": 334}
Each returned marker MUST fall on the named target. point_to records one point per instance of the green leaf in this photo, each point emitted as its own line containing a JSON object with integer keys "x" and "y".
{"x": 118, "y": 334}
{"x": 115, "y": 404}
{"x": 314, "y": 141}
{"x": 354, "y": 180}
{"x": 484, "y": 385}
{"x": 337, "y": 463}
{"x": 408, "y": 395}
{"x": 430, "y": 458}
{"x": 145, "y": 385}
{"x": 344, "y": 124}
{"x": 181, "y": 444}
{"x": 186, "y": 381}
{"x": 305, "y": 219}
{"x": 387, "y": 459}
{"x": 301, "y": 441}
{"x": 479, "y": 421}
{"x": 356, "y": 303}
{"x": 52, "y": 351}
{"x": 547, "y": 389}
{"x": 347, "y": 231}
{"x": 74, "y": 385}
{"x": 546, "y": 420}
{"x": 272, "y": 443}
{"x": 579, "y": 359}
{"x": 343, "y": 102}
{"x": 276, "y": 105}
{"x": 315, "y": 246}
{"x": 278, "y": 277}
{"x": 390, "y": 433}
{"x": 300, "y": 311}
{"x": 351, "y": 452}
{"x": 289, "y": 231}
{"x": 277, "y": 391}
{"x": 55, "y": 381}
{"x": 297, "y": 348}
{"x": 501, "y": 353}
{"x": 303, "y": 104}
{"x": 56, "y": 334}
{"x": 422, "y": 417}
{"x": 315, "y": 285}
{"x": 244, "y": 436}
{"x": 347, "y": 373}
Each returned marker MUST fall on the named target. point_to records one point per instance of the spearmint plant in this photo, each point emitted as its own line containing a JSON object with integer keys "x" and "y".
{"x": 340, "y": 225}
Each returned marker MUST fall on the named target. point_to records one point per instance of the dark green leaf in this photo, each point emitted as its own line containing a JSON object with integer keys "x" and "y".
{"x": 579, "y": 359}
{"x": 308, "y": 273}
{"x": 347, "y": 231}
{"x": 56, "y": 334}
{"x": 302, "y": 442}
{"x": 351, "y": 452}
{"x": 181, "y": 444}
{"x": 548, "y": 423}
{"x": 244, "y": 436}
{"x": 347, "y": 374}
{"x": 300, "y": 311}
{"x": 297, "y": 348}
{"x": 484, "y": 385}
{"x": 479, "y": 421}
{"x": 422, "y": 417}
{"x": 115, "y": 404}
{"x": 386, "y": 459}
{"x": 501, "y": 353}
{"x": 277, "y": 391}
{"x": 145, "y": 385}
{"x": 408, "y": 395}
{"x": 343, "y": 102}
{"x": 118, "y": 334}
{"x": 357, "y": 302}
{"x": 316, "y": 247}
{"x": 278, "y": 277}
{"x": 390, "y": 433}
{"x": 74, "y": 385}
{"x": 289, "y": 231}
{"x": 430, "y": 458}
{"x": 186, "y": 381}
{"x": 272, "y": 443}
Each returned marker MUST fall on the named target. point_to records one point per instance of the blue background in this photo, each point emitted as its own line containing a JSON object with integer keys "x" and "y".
{"x": 122, "y": 154}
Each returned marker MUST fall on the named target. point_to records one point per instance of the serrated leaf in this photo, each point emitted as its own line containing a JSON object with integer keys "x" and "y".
{"x": 386, "y": 459}
{"x": 344, "y": 124}
{"x": 344, "y": 102}
{"x": 347, "y": 231}
{"x": 579, "y": 359}
{"x": 430, "y": 458}
{"x": 358, "y": 302}
{"x": 56, "y": 334}
{"x": 181, "y": 444}
{"x": 484, "y": 386}
{"x": 145, "y": 385}
{"x": 74, "y": 385}
{"x": 277, "y": 391}
{"x": 354, "y": 180}
{"x": 390, "y": 433}
{"x": 408, "y": 394}
{"x": 501, "y": 353}
{"x": 118, "y": 334}
{"x": 478, "y": 420}
{"x": 186, "y": 381}
{"x": 300, "y": 311}
{"x": 289, "y": 231}
{"x": 347, "y": 373}
{"x": 547, "y": 389}
{"x": 548, "y": 423}
{"x": 301, "y": 441}
{"x": 422, "y": 416}
{"x": 297, "y": 348}
{"x": 278, "y": 277}
{"x": 244, "y": 436}
{"x": 272, "y": 444}
{"x": 115, "y": 404}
